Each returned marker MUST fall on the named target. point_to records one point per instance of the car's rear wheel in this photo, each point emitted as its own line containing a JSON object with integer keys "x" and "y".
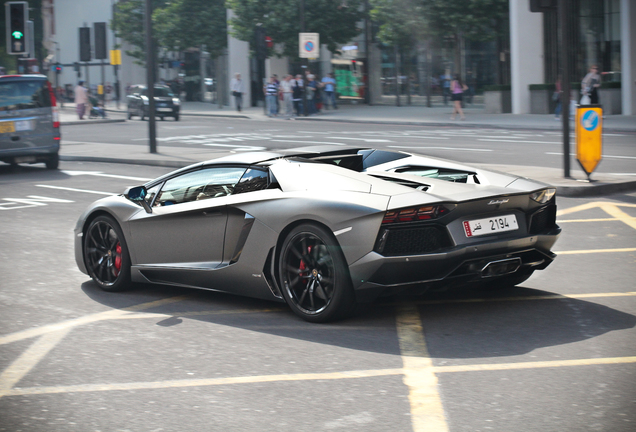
{"x": 130, "y": 114}
{"x": 176, "y": 117}
{"x": 53, "y": 162}
{"x": 314, "y": 276}
{"x": 106, "y": 254}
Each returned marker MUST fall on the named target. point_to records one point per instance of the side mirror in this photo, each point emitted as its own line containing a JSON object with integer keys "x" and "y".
{"x": 138, "y": 194}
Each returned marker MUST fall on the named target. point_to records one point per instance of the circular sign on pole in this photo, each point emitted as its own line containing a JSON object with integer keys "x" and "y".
{"x": 589, "y": 120}
{"x": 309, "y": 45}
{"x": 589, "y": 137}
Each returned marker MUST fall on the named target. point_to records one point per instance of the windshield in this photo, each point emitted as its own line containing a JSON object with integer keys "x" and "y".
{"x": 24, "y": 94}
{"x": 160, "y": 92}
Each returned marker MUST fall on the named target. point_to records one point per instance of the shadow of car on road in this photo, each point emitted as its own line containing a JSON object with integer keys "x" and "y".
{"x": 459, "y": 324}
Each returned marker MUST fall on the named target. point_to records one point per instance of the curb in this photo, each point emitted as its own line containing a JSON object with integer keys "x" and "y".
{"x": 563, "y": 191}
{"x": 83, "y": 122}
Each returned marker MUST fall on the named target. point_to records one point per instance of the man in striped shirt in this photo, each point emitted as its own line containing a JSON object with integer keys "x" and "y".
{"x": 271, "y": 95}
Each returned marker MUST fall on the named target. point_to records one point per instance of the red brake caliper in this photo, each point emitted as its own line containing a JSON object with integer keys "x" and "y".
{"x": 118, "y": 259}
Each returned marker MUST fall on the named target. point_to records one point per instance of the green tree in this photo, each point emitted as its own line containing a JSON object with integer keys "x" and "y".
{"x": 128, "y": 24}
{"x": 183, "y": 24}
{"x": 335, "y": 20}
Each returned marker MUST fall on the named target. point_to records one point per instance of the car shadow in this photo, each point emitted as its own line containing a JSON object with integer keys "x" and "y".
{"x": 457, "y": 325}
{"x": 28, "y": 173}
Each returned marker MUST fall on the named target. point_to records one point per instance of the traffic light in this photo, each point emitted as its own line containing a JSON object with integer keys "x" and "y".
{"x": 58, "y": 68}
{"x": 85, "y": 43}
{"x": 99, "y": 31}
{"x": 17, "y": 14}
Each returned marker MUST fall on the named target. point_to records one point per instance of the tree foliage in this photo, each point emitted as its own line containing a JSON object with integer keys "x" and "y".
{"x": 183, "y": 24}
{"x": 335, "y": 20}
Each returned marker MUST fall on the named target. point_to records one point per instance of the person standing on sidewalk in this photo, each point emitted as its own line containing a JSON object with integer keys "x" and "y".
{"x": 457, "y": 90}
{"x": 81, "y": 99}
{"x": 237, "y": 87}
{"x": 329, "y": 84}
{"x": 556, "y": 96}
{"x": 446, "y": 81}
{"x": 590, "y": 85}
{"x": 287, "y": 89}
{"x": 297, "y": 87}
{"x": 271, "y": 94}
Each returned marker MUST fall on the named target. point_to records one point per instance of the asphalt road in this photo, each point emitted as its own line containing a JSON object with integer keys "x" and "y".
{"x": 470, "y": 145}
{"x": 557, "y": 353}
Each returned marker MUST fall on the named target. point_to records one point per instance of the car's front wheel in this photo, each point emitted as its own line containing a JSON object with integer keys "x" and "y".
{"x": 314, "y": 275}
{"x": 106, "y": 254}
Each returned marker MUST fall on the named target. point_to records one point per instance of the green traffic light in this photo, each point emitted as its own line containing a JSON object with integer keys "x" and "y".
{"x": 17, "y": 34}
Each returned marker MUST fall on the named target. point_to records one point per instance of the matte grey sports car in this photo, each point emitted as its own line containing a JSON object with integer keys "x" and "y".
{"x": 321, "y": 229}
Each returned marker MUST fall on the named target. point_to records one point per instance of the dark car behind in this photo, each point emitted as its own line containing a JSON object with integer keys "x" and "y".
{"x": 29, "y": 121}
{"x": 167, "y": 104}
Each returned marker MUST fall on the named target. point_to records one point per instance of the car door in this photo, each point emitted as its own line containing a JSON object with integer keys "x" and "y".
{"x": 186, "y": 228}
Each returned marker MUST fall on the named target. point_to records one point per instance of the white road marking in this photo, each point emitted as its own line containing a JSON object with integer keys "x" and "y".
{"x": 29, "y": 201}
{"x": 309, "y": 142}
{"x": 605, "y": 156}
{"x": 101, "y": 174}
{"x": 443, "y": 148}
{"x": 360, "y": 139}
{"x": 76, "y": 190}
{"x": 518, "y": 141}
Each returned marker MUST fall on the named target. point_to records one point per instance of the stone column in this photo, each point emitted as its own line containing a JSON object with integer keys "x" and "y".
{"x": 628, "y": 56}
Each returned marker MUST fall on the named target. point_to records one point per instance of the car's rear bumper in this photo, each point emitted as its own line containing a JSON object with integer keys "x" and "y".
{"x": 375, "y": 275}
{"x": 28, "y": 153}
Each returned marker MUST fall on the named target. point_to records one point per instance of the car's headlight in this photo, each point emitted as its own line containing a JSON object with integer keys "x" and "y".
{"x": 543, "y": 196}
{"x": 176, "y": 102}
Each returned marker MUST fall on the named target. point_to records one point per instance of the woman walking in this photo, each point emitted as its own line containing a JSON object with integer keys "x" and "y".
{"x": 457, "y": 90}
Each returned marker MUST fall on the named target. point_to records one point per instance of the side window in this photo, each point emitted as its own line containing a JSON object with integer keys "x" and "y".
{"x": 252, "y": 180}
{"x": 198, "y": 185}
{"x": 152, "y": 192}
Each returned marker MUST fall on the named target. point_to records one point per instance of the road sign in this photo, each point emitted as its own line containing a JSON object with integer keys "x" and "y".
{"x": 589, "y": 136}
{"x": 308, "y": 45}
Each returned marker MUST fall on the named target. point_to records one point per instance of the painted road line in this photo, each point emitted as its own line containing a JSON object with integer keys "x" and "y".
{"x": 444, "y": 148}
{"x": 518, "y": 141}
{"x": 29, "y": 359}
{"x": 535, "y": 364}
{"x": 100, "y": 316}
{"x": 603, "y": 156}
{"x": 589, "y": 206}
{"x": 595, "y": 220}
{"x": 525, "y": 298}
{"x": 360, "y": 139}
{"x": 427, "y": 412}
{"x": 593, "y": 251}
{"x": 614, "y": 211}
{"x": 76, "y": 190}
{"x": 309, "y": 142}
{"x": 206, "y": 382}
{"x": 101, "y": 174}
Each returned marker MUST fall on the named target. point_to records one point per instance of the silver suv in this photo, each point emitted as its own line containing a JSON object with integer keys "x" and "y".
{"x": 29, "y": 121}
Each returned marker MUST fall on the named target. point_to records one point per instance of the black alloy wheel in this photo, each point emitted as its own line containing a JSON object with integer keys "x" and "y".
{"x": 106, "y": 254}
{"x": 314, "y": 276}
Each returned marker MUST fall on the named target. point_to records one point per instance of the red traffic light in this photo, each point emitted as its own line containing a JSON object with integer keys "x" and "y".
{"x": 269, "y": 42}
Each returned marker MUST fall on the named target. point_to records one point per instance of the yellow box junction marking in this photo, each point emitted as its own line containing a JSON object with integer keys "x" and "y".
{"x": 427, "y": 412}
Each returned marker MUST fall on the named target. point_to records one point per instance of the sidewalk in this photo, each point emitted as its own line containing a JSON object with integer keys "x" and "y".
{"x": 176, "y": 157}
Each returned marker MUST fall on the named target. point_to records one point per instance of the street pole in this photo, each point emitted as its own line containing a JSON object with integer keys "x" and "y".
{"x": 150, "y": 75}
{"x": 565, "y": 84}
{"x": 304, "y": 62}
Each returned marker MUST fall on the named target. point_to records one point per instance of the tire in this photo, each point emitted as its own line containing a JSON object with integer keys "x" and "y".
{"x": 130, "y": 114}
{"x": 106, "y": 254}
{"x": 142, "y": 113}
{"x": 53, "y": 162}
{"x": 314, "y": 276}
{"x": 176, "y": 117}
{"x": 162, "y": 118}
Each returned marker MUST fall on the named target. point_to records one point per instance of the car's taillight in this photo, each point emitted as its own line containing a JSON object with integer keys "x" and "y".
{"x": 55, "y": 112}
{"x": 413, "y": 214}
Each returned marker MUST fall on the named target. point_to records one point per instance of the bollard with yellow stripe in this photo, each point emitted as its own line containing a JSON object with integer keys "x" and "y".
{"x": 589, "y": 137}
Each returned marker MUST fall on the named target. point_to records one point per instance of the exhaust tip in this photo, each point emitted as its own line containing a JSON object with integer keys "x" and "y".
{"x": 501, "y": 267}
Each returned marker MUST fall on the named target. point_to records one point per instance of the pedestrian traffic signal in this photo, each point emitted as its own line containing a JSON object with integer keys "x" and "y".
{"x": 85, "y": 43}
{"x": 58, "y": 68}
{"x": 17, "y": 16}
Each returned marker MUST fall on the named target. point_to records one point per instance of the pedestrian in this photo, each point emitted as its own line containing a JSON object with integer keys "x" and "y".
{"x": 556, "y": 96}
{"x": 311, "y": 88}
{"x": 589, "y": 87}
{"x": 271, "y": 94}
{"x": 108, "y": 91}
{"x": 237, "y": 87}
{"x": 297, "y": 94}
{"x": 446, "y": 81}
{"x": 81, "y": 99}
{"x": 457, "y": 90}
{"x": 287, "y": 90}
{"x": 329, "y": 86}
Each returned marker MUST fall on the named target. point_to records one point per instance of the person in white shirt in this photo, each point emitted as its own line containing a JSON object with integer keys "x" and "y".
{"x": 81, "y": 99}
{"x": 287, "y": 89}
{"x": 237, "y": 87}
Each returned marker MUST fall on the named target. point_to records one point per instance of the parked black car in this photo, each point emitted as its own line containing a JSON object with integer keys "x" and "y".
{"x": 167, "y": 103}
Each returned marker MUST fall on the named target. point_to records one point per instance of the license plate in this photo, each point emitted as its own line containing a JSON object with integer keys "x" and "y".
{"x": 22, "y": 125}
{"x": 164, "y": 109}
{"x": 7, "y": 127}
{"x": 491, "y": 225}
